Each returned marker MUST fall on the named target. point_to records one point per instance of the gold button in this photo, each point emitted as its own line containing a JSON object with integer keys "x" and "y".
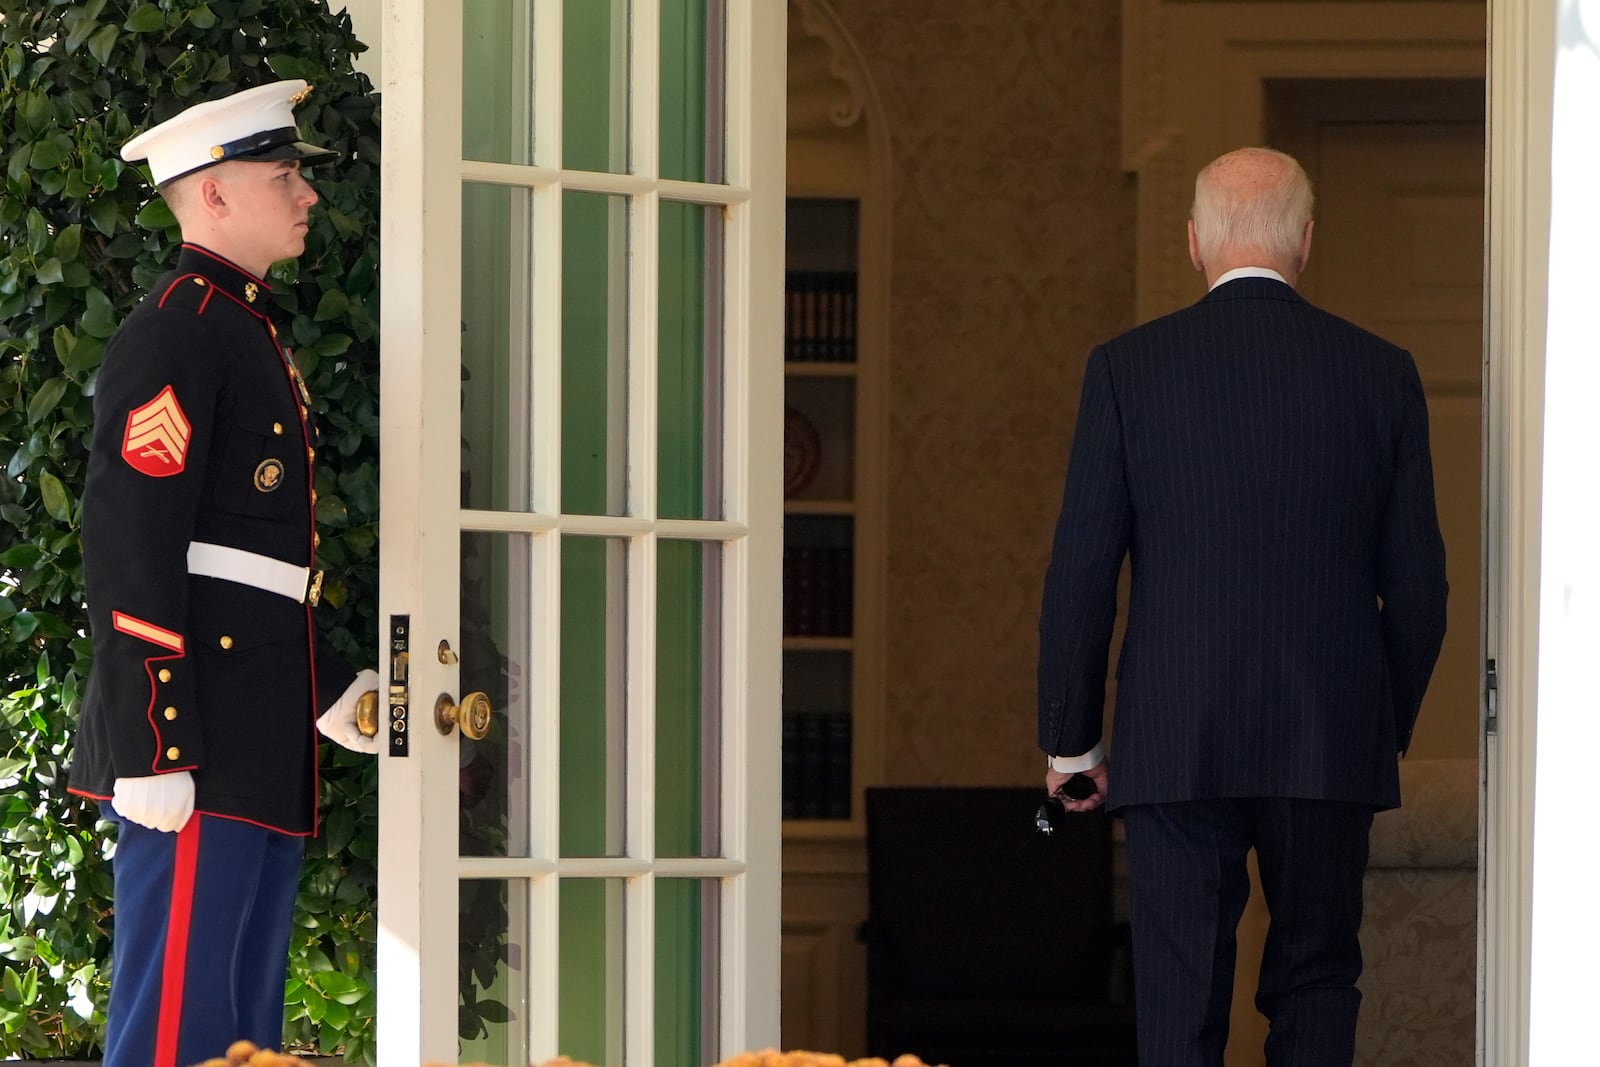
{"x": 226, "y": 641}
{"x": 165, "y": 675}
{"x": 316, "y": 539}
{"x": 171, "y": 713}
{"x": 217, "y": 151}
{"x": 311, "y": 454}
{"x": 173, "y": 753}
{"x": 273, "y": 328}
{"x": 303, "y": 411}
{"x": 201, "y": 282}
{"x": 277, "y": 428}
{"x": 313, "y": 496}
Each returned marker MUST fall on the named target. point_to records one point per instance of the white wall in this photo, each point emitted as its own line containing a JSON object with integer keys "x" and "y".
{"x": 367, "y": 17}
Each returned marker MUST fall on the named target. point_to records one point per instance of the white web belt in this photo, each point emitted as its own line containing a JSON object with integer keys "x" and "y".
{"x": 254, "y": 569}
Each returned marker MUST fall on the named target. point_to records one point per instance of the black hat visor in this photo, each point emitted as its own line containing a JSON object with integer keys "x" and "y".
{"x": 268, "y": 146}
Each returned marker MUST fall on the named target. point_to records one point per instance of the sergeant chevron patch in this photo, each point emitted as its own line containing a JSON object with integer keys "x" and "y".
{"x": 157, "y": 439}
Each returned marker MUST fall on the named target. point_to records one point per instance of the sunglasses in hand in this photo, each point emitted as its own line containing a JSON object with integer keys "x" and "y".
{"x": 1047, "y": 820}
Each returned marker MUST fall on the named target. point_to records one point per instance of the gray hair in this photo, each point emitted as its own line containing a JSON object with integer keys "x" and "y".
{"x": 1252, "y": 200}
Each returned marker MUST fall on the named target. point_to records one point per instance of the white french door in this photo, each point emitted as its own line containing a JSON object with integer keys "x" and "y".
{"x": 582, "y": 256}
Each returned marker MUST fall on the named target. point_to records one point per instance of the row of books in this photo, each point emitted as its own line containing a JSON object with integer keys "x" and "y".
{"x": 819, "y": 320}
{"x": 818, "y": 591}
{"x": 816, "y": 765}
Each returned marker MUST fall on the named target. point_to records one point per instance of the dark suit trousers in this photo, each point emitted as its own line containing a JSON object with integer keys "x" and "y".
{"x": 1189, "y": 885}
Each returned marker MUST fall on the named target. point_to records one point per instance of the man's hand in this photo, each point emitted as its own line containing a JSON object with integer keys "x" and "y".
{"x": 338, "y": 723}
{"x": 1100, "y": 773}
{"x": 161, "y": 802}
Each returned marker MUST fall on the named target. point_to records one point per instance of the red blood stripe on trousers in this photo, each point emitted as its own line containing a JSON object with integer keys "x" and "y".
{"x": 185, "y": 860}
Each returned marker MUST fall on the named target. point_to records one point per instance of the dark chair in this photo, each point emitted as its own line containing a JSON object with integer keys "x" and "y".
{"x": 990, "y": 944}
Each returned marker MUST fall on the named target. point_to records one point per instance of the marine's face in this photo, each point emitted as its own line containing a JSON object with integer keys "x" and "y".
{"x": 269, "y": 207}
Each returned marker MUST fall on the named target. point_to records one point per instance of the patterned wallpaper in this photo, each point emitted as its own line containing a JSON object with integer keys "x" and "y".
{"x": 1013, "y": 255}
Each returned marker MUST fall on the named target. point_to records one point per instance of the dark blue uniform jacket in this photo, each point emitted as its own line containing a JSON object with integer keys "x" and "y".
{"x": 202, "y": 434}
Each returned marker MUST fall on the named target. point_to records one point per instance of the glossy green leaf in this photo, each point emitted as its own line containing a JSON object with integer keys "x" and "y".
{"x": 85, "y": 356}
{"x": 75, "y": 274}
{"x": 57, "y": 501}
{"x": 102, "y": 42}
{"x": 333, "y": 305}
{"x": 68, "y": 241}
{"x": 99, "y": 317}
{"x": 33, "y": 107}
{"x": 17, "y": 162}
{"x": 145, "y": 18}
{"x": 38, "y": 232}
{"x": 23, "y": 626}
{"x": 21, "y": 556}
{"x": 64, "y": 340}
{"x": 156, "y": 215}
{"x": 80, "y": 26}
{"x": 103, "y": 215}
{"x": 335, "y": 1017}
{"x": 46, "y": 399}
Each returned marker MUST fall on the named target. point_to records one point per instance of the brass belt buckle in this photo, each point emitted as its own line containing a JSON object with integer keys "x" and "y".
{"x": 314, "y": 594}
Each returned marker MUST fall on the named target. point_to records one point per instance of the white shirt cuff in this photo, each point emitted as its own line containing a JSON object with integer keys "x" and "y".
{"x": 1073, "y": 764}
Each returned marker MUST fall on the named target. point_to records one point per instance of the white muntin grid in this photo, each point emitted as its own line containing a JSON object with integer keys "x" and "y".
{"x": 424, "y": 178}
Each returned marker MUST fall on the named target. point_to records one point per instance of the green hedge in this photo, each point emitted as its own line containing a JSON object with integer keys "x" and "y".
{"x": 80, "y": 238}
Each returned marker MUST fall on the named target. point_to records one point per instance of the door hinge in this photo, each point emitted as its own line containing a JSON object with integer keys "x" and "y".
{"x": 1491, "y": 692}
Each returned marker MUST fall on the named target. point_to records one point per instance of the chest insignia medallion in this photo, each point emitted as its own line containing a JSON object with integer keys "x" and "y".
{"x": 250, "y": 291}
{"x": 269, "y": 475}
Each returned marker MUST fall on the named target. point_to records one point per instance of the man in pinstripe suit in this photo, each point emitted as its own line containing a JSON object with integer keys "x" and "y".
{"x": 1265, "y": 466}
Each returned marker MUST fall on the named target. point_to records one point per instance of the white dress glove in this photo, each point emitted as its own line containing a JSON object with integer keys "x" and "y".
{"x": 161, "y": 801}
{"x": 338, "y": 723}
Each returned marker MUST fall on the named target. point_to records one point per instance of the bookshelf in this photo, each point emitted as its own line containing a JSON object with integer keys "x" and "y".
{"x": 839, "y": 224}
{"x": 823, "y": 682}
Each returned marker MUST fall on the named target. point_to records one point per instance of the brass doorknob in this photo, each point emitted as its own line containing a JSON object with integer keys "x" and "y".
{"x": 367, "y": 713}
{"x": 472, "y": 715}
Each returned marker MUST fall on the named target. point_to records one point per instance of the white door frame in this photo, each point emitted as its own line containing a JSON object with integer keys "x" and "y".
{"x": 417, "y": 929}
{"x": 1517, "y": 225}
{"x": 1542, "y": 928}
{"x": 422, "y": 520}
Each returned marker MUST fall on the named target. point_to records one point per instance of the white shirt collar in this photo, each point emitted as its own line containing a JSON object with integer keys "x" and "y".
{"x": 1250, "y": 272}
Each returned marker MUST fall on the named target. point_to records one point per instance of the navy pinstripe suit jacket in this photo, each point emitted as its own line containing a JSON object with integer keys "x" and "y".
{"x": 1266, "y": 467}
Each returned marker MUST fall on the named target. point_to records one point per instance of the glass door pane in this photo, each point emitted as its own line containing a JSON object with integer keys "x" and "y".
{"x": 494, "y": 1010}
{"x": 688, "y": 699}
{"x": 593, "y": 696}
{"x": 687, "y": 921}
{"x": 594, "y": 354}
{"x": 594, "y": 120}
{"x": 497, "y": 81}
{"x": 689, "y": 362}
{"x": 497, "y": 401}
{"x": 693, "y": 85}
{"x": 496, "y": 592}
{"x": 591, "y": 982}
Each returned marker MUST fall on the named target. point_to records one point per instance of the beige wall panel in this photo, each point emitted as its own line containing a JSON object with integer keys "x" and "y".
{"x": 1013, "y": 256}
{"x": 1399, "y": 250}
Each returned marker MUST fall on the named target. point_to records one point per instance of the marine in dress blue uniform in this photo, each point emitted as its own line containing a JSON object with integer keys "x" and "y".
{"x": 198, "y": 732}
